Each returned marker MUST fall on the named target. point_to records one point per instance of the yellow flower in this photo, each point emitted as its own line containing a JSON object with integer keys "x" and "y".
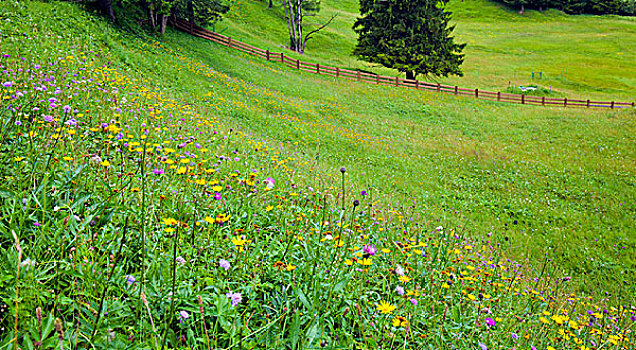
{"x": 349, "y": 262}
{"x": 366, "y": 262}
{"x": 208, "y": 219}
{"x": 18, "y": 159}
{"x": 217, "y": 188}
{"x": 200, "y": 181}
{"x": 544, "y": 320}
{"x": 472, "y": 297}
{"x": 399, "y": 321}
{"x": 291, "y": 267}
{"x": 239, "y": 241}
{"x": 67, "y": 158}
{"x": 385, "y": 308}
{"x": 269, "y": 208}
{"x": 105, "y": 163}
{"x": 405, "y": 279}
{"x": 181, "y": 170}
{"x": 170, "y": 221}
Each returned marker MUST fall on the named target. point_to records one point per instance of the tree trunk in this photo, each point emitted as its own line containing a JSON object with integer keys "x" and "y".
{"x": 523, "y": 8}
{"x": 151, "y": 11}
{"x": 107, "y": 7}
{"x": 271, "y": 4}
{"x": 164, "y": 23}
{"x": 410, "y": 75}
{"x": 191, "y": 14}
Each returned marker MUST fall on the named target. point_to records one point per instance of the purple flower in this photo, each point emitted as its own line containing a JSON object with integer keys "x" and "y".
{"x": 363, "y": 193}
{"x": 224, "y": 264}
{"x": 414, "y": 302}
{"x": 514, "y": 335}
{"x": 269, "y": 183}
{"x": 217, "y": 196}
{"x": 490, "y": 322}
{"x": 7, "y": 84}
{"x": 235, "y": 298}
{"x": 67, "y": 109}
{"x": 482, "y": 346}
{"x": 370, "y": 249}
{"x": 183, "y": 315}
{"x": 180, "y": 260}
{"x": 37, "y": 224}
{"x": 48, "y": 118}
{"x": 71, "y": 122}
{"x": 532, "y": 347}
{"x": 130, "y": 279}
{"x": 399, "y": 290}
{"x": 157, "y": 171}
{"x": 18, "y": 123}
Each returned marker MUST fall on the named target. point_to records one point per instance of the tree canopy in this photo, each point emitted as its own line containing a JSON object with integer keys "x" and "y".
{"x": 412, "y": 36}
{"x": 622, "y": 7}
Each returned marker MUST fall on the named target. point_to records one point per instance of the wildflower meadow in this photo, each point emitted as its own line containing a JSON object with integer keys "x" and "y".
{"x": 150, "y": 199}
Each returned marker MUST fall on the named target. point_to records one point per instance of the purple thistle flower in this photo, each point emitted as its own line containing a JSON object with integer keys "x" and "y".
{"x": 514, "y": 335}
{"x": 370, "y": 249}
{"x": 235, "y": 298}
{"x": 224, "y": 264}
{"x": 67, "y": 109}
{"x": 399, "y": 290}
{"x": 157, "y": 171}
{"x": 490, "y": 322}
{"x": 414, "y": 301}
{"x": 48, "y": 118}
{"x": 7, "y": 84}
{"x": 130, "y": 279}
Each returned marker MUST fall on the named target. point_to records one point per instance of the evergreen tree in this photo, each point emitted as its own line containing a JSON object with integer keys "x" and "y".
{"x": 412, "y": 36}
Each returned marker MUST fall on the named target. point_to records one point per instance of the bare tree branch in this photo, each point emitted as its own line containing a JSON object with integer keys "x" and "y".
{"x": 308, "y": 36}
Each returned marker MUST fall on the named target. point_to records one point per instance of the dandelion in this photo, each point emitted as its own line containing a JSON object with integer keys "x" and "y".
{"x": 224, "y": 264}
{"x": 235, "y": 298}
{"x": 385, "y": 307}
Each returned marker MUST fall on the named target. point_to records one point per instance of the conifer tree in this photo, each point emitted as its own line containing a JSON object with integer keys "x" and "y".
{"x": 412, "y": 36}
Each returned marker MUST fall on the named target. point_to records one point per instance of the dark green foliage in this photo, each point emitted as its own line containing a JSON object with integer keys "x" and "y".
{"x": 410, "y": 36}
{"x": 204, "y": 12}
{"x": 599, "y": 7}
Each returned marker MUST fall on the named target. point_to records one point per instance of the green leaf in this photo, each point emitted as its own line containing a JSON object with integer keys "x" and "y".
{"x": 302, "y": 297}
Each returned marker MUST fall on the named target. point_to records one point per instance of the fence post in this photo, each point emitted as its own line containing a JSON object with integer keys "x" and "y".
{"x": 498, "y": 95}
{"x": 358, "y": 75}
{"x": 377, "y": 78}
{"x": 297, "y": 64}
{"x": 229, "y": 41}
{"x": 565, "y": 102}
{"x": 439, "y": 87}
{"x": 543, "y": 101}
{"x": 523, "y": 99}
{"x": 282, "y": 58}
{"x": 397, "y": 81}
{"x": 267, "y": 54}
{"x": 417, "y": 84}
{"x": 476, "y": 93}
{"x": 588, "y": 103}
{"x": 337, "y": 72}
{"x": 317, "y": 68}
{"x": 612, "y": 105}
{"x": 456, "y": 90}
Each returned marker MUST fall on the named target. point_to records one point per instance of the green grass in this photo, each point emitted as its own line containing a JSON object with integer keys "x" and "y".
{"x": 522, "y": 192}
{"x": 579, "y": 56}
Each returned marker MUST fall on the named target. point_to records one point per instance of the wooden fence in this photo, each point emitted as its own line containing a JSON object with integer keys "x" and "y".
{"x": 371, "y": 78}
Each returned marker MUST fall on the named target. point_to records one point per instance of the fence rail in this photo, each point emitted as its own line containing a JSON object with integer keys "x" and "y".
{"x": 371, "y": 78}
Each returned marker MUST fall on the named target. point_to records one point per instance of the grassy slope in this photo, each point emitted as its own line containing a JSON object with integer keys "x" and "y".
{"x": 551, "y": 180}
{"x": 580, "y": 56}
{"x": 527, "y": 181}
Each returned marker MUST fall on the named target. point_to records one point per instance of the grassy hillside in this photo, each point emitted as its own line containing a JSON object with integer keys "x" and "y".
{"x": 579, "y": 56}
{"x": 147, "y": 184}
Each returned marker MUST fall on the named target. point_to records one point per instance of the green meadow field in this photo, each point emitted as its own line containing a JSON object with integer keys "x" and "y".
{"x": 170, "y": 192}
